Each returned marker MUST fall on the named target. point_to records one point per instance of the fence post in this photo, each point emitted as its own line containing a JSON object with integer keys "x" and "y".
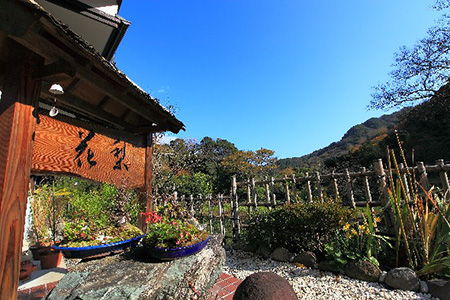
{"x": 308, "y": 187}
{"x": 211, "y": 227}
{"x": 294, "y": 188}
{"x": 319, "y": 186}
{"x": 274, "y": 197}
{"x": 423, "y": 176}
{"x": 444, "y": 178}
{"x": 286, "y": 186}
{"x": 201, "y": 216}
{"x": 366, "y": 186}
{"x": 222, "y": 229}
{"x": 255, "y": 195}
{"x": 383, "y": 188}
{"x": 350, "y": 195}
{"x": 335, "y": 185}
{"x": 236, "y": 225}
{"x": 266, "y": 186}
{"x": 249, "y": 196}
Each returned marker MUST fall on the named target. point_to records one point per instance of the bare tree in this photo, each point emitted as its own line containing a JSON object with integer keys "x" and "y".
{"x": 419, "y": 71}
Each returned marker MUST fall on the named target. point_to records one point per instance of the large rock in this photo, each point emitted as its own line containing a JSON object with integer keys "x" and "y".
{"x": 265, "y": 286}
{"x": 282, "y": 254}
{"x": 264, "y": 251}
{"x": 362, "y": 270}
{"x": 307, "y": 259}
{"x": 402, "y": 278}
{"x": 135, "y": 276}
{"x": 439, "y": 288}
{"x": 329, "y": 266}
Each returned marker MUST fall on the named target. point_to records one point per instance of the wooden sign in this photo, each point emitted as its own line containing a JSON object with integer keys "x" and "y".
{"x": 66, "y": 149}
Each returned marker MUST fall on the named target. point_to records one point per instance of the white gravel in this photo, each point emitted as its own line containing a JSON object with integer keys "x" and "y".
{"x": 314, "y": 284}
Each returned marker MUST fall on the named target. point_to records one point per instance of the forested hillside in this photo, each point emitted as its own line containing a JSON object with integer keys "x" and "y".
{"x": 424, "y": 129}
{"x": 372, "y": 130}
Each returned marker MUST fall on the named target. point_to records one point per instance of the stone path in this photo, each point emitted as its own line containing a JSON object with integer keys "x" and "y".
{"x": 223, "y": 289}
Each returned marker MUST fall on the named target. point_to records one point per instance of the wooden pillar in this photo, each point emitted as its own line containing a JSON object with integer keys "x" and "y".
{"x": 308, "y": 187}
{"x": 350, "y": 194}
{"x": 444, "y": 179}
{"x": 17, "y": 126}
{"x": 383, "y": 189}
{"x": 148, "y": 172}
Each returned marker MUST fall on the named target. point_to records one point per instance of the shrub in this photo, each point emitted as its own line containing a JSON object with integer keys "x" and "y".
{"x": 298, "y": 227}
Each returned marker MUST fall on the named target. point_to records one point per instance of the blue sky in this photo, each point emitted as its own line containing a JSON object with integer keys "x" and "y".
{"x": 287, "y": 75}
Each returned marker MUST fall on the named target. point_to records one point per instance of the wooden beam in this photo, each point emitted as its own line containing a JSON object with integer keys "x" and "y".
{"x": 89, "y": 110}
{"x": 16, "y": 131}
{"x": 56, "y": 68}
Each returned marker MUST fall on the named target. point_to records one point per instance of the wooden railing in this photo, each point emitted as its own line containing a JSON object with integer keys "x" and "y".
{"x": 355, "y": 189}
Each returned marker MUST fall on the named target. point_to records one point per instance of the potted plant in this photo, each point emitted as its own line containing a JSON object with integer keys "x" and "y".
{"x": 47, "y": 210}
{"x": 170, "y": 235}
{"x": 86, "y": 235}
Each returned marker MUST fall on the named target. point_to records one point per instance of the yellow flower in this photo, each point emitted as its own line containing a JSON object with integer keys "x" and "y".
{"x": 377, "y": 219}
{"x": 353, "y": 231}
{"x": 361, "y": 227}
{"x": 346, "y": 227}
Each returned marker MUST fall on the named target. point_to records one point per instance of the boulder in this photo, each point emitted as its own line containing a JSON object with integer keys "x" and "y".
{"x": 264, "y": 251}
{"x": 439, "y": 288}
{"x": 265, "y": 286}
{"x": 308, "y": 259}
{"x": 133, "y": 275}
{"x": 402, "y": 278}
{"x": 329, "y": 266}
{"x": 362, "y": 270}
{"x": 282, "y": 254}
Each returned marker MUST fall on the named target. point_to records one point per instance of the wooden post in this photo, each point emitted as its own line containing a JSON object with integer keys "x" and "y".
{"x": 335, "y": 186}
{"x": 236, "y": 225}
{"x": 274, "y": 197}
{"x": 286, "y": 187}
{"x": 255, "y": 195}
{"x": 17, "y": 126}
{"x": 148, "y": 172}
{"x": 385, "y": 202}
{"x": 249, "y": 196}
{"x": 350, "y": 195}
{"x": 211, "y": 227}
{"x": 308, "y": 187}
{"x": 294, "y": 188}
{"x": 423, "y": 176}
{"x": 366, "y": 186}
{"x": 319, "y": 186}
{"x": 266, "y": 186}
{"x": 444, "y": 179}
{"x": 222, "y": 228}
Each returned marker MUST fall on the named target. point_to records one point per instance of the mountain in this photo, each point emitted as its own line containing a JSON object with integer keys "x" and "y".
{"x": 373, "y": 130}
{"x": 423, "y": 130}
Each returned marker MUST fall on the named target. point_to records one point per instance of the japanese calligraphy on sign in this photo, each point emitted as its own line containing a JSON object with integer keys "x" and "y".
{"x": 119, "y": 154}
{"x": 81, "y": 148}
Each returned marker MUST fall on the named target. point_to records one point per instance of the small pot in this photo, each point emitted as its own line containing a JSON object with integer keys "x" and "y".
{"x": 26, "y": 268}
{"x": 50, "y": 258}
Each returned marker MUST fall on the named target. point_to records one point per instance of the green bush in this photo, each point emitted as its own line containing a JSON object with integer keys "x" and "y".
{"x": 298, "y": 227}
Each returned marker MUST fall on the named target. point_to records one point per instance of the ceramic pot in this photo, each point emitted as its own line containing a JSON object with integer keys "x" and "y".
{"x": 174, "y": 253}
{"x": 26, "y": 268}
{"x": 50, "y": 258}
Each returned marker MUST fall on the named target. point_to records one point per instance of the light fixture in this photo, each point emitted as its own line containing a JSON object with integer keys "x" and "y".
{"x": 55, "y": 89}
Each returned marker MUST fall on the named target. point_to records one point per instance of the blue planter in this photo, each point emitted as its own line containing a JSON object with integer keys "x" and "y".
{"x": 100, "y": 250}
{"x": 173, "y": 253}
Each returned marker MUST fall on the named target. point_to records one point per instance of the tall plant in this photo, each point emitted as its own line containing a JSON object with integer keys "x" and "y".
{"x": 421, "y": 222}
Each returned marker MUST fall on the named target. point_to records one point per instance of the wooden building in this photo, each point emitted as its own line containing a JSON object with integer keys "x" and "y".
{"x": 101, "y": 125}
